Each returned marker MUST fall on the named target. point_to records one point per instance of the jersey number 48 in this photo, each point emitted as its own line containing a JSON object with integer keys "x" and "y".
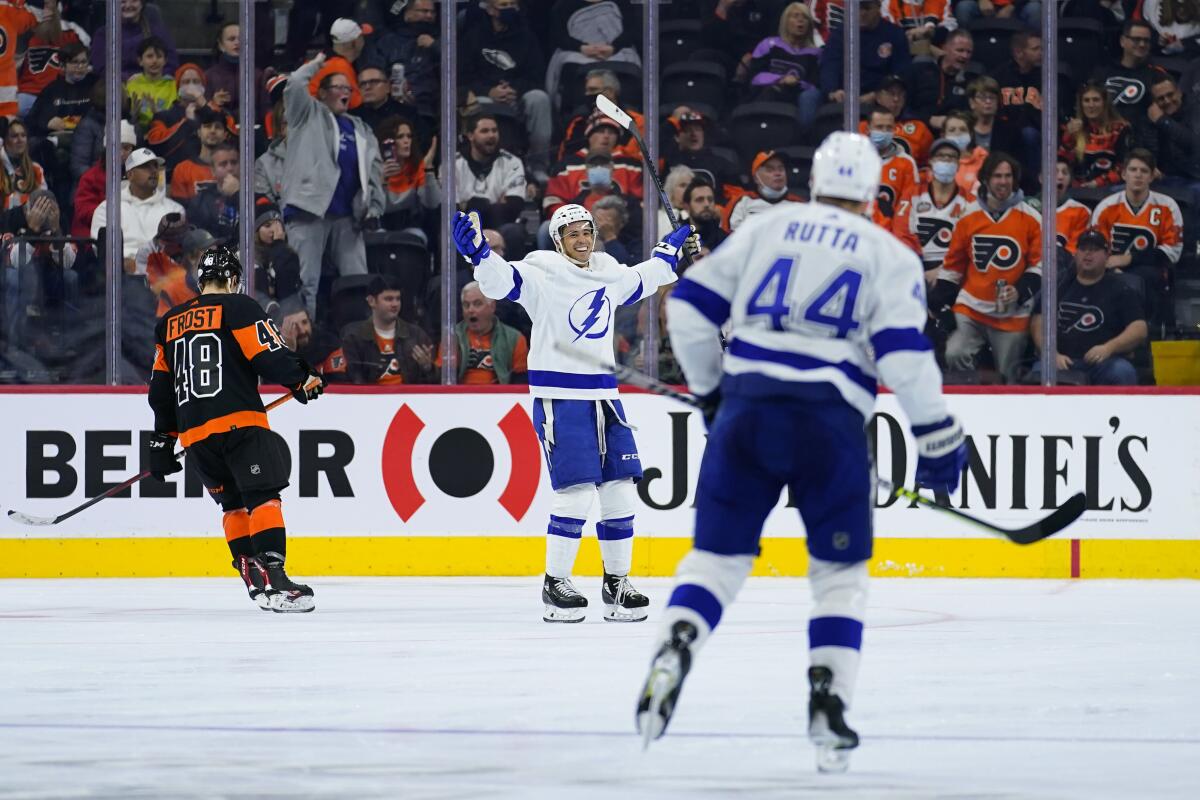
{"x": 830, "y": 309}
{"x": 198, "y": 361}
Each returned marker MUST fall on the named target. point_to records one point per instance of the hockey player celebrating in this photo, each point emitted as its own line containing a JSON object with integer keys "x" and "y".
{"x": 209, "y": 354}
{"x": 822, "y": 303}
{"x": 570, "y": 295}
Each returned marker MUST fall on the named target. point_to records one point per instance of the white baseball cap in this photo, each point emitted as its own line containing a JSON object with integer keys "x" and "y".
{"x": 141, "y": 156}
{"x": 345, "y": 31}
{"x": 128, "y": 134}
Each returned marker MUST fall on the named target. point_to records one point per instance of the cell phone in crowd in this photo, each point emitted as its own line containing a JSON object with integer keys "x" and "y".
{"x": 387, "y": 149}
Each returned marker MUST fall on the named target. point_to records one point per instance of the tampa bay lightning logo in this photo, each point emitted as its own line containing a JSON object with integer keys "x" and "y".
{"x": 592, "y": 310}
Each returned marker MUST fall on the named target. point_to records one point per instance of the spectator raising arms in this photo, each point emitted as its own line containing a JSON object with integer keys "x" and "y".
{"x": 269, "y": 167}
{"x": 1096, "y": 139}
{"x": 138, "y": 21}
{"x": 150, "y": 91}
{"x": 786, "y": 67}
{"x": 384, "y": 349}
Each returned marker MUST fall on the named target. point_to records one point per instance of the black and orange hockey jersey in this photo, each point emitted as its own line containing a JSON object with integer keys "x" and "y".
{"x": 209, "y": 354}
{"x": 1151, "y": 233}
{"x": 930, "y": 224}
{"x": 913, "y": 137}
{"x": 897, "y": 181}
{"x": 1071, "y": 219}
{"x": 985, "y": 249}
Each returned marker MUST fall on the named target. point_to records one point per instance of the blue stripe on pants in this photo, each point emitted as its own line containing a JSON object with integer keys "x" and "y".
{"x": 835, "y": 632}
{"x": 698, "y": 599}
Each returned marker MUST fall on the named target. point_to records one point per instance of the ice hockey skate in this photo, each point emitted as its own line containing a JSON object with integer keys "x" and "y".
{"x": 622, "y": 602}
{"x": 827, "y": 726}
{"x": 661, "y": 691}
{"x": 284, "y": 595}
{"x": 255, "y": 577}
{"x": 563, "y": 601}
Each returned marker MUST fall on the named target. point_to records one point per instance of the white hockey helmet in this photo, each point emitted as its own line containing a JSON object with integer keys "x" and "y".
{"x": 846, "y": 166}
{"x": 565, "y": 215}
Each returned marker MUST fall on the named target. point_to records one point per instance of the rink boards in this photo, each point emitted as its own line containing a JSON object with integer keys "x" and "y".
{"x": 451, "y": 482}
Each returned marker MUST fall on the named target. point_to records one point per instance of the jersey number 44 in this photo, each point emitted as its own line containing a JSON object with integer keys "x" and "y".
{"x": 828, "y": 311}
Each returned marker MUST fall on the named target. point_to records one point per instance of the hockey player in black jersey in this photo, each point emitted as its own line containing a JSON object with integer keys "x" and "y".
{"x": 209, "y": 355}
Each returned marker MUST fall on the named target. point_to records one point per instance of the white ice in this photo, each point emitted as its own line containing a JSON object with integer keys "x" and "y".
{"x": 455, "y": 688}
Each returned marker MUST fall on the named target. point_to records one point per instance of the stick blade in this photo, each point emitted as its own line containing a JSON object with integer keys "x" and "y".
{"x": 29, "y": 519}
{"x": 610, "y": 109}
{"x": 1063, "y": 516}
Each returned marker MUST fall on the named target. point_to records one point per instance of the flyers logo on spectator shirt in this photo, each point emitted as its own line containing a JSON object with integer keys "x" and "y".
{"x": 1132, "y": 237}
{"x": 1001, "y": 252}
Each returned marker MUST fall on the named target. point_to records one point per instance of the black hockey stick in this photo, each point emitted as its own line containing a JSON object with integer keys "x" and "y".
{"x": 1058, "y": 519}
{"x": 30, "y": 519}
{"x": 614, "y": 112}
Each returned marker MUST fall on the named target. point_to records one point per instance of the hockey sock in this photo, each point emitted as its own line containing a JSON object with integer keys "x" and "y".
{"x": 705, "y": 583}
{"x": 267, "y": 534}
{"x": 237, "y": 532}
{"x": 616, "y": 544}
{"x": 835, "y": 627}
{"x": 562, "y": 545}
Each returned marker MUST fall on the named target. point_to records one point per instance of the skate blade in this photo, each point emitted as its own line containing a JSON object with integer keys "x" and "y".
{"x": 615, "y": 613}
{"x": 282, "y": 604}
{"x": 832, "y": 759}
{"x": 261, "y": 600}
{"x": 650, "y": 722}
{"x": 555, "y": 614}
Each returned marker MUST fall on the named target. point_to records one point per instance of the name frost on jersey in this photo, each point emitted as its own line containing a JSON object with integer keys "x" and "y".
{"x": 1080, "y": 317}
{"x": 1000, "y": 252}
{"x": 1133, "y": 237}
{"x": 588, "y": 310}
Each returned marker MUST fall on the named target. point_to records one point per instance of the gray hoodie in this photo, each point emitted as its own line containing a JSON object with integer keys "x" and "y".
{"x": 312, "y": 170}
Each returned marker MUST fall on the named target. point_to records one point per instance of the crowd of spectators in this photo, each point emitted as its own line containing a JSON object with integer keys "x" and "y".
{"x": 348, "y": 178}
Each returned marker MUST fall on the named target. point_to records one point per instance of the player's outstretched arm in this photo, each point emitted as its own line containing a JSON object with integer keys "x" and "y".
{"x": 644, "y": 279}
{"x": 498, "y": 279}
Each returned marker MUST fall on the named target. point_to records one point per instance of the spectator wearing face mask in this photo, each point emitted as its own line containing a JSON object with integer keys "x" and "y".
{"x": 934, "y": 209}
{"x": 770, "y": 188}
{"x": 898, "y": 176}
{"x": 174, "y": 131}
{"x": 575, "y": 177}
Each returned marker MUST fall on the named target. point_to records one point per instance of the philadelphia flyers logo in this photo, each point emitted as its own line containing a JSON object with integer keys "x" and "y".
{"x": 1125, "y": 91}
{"x": 886, "y": 200}
{"x": 1001, "y": 252}
{"x": 935, "y": 231}
{"x": 1079, "y": 317}
{"x": 1132, "y": 237}
{"x": 460, "y": 462}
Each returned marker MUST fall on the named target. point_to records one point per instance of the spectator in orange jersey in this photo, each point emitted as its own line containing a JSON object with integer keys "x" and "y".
{"x": 571, "y": 177}
{"x": 1095, "y": 139}
{"x": 384, "y": 349}
{"x": 911, "y": 133}
{"x": 998, "y": 239}
{"x": 958, "y": 127}
{"x": 20, "y": 175}
{"x": 173, "y": 131}
{"x": 489, "y": 352}
{"x": 1072, "y": 217}
{"x": 193, "y": 174}
{"x": 597, "y": 82}
{"x": 17, "y": 25}
{"x": 410, "y": 185}
{"x": 919, "y": 19}
{"x": 931, "y": 214}
{"x": 45, "y": 60}
{"x": 1145, "y": 229}
{"x": 898, "y": 176}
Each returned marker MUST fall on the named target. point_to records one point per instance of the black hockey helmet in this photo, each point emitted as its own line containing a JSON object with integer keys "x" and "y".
{"x": 219, "y": 262}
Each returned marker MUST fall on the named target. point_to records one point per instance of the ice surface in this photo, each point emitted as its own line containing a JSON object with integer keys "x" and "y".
{"x": 455, "y": 688}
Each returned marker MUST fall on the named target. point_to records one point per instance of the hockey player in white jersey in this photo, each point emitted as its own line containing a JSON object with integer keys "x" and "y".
{"x": 822, "y": 305}
{"x": 570, "y": 294}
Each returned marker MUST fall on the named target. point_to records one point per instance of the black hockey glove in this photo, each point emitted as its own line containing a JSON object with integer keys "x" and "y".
{"x": 708, "y": 404}
{"x": 162, "y": 461}
{"x": 309, "y": 389}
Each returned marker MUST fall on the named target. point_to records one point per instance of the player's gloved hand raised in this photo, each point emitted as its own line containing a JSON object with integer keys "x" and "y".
{"x": 162, "y": 461}
{"x": 941, "y": 454}
{"x": 691, "y": 246}
{"x": 312, "y": 387}
{"x": 464, "y": 239}
{"x": 668, "y": 248}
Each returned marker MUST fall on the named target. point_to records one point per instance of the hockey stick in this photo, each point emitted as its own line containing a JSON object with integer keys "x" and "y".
{"x": 1058, "y": 519}
{"x": 30, "y": 519}
{"x": 610, "y": 109}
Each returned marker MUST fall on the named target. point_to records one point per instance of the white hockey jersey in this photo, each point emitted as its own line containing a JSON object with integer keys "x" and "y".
{"x": 815, "y": 295}
{"x": 571, "y": 307}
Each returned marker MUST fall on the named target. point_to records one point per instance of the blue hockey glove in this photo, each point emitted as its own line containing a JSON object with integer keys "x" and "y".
{"x": 668, "y": 248}
{"x": 464, "y": 240}
{"x": 162, "y": 461}
{"x": 941, "y": 454}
